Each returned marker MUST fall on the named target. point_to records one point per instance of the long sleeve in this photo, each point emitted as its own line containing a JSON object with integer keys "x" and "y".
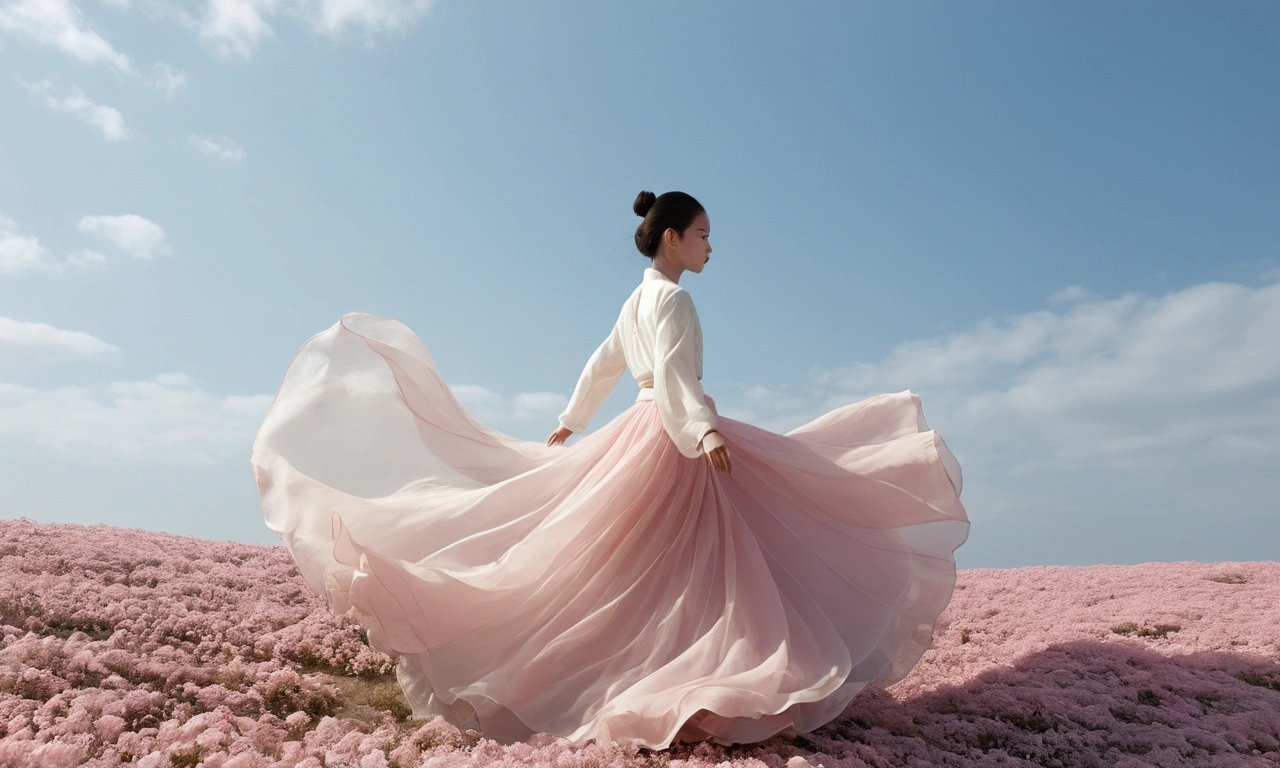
{"x": 599, "y": 377}
{"x": 676, "y": 388}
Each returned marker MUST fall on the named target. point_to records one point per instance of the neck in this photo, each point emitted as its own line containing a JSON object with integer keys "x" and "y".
{"x": 666, "y": 267}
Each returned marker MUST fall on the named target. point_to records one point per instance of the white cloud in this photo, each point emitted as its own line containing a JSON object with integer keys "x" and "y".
{"x": 757, "y": 403}
{"x": 533, "y": 405}
{"x": 1164, "y": 406}
{"x": 136, "y": 236}
{"x": 334, "y": 17}
{"x": 60, "y": 24}
{"x": 22, "y": 253}
{"x": 232, "y": 28}
{"x": 221, "y": 147}
{"x": 1104, "y": 377}
{"x": 23, "y": 343}
{"x": 106, "y": 119}
{"x": 167, "y": 79}
{"x": 167, "y": 419}
{"x": 492, "y": 408}
{"x": 87, "y": 259}
{"x": 957, "y": 359}
{"x": 1071, "y": 293}
{"x": 235, "y": 27}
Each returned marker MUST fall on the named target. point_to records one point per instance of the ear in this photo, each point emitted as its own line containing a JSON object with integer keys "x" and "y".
{"x": 671, "y": 237}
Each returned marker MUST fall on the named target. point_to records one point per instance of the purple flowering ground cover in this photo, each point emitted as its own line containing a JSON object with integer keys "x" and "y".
{"x": 131, "y": 647}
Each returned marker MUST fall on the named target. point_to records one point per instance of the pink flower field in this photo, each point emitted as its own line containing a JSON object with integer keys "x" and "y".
{"x": 130, "y": 647}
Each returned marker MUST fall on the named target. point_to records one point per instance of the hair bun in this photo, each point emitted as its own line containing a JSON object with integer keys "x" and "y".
{"x": 644, "y": 201}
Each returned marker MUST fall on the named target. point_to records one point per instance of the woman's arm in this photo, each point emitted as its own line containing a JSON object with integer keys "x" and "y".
{"x": 676, "y": 388}
{"x": 599, "y": 377}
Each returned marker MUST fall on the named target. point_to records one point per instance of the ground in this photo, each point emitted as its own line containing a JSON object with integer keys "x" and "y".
{"x": 122, "y": 646}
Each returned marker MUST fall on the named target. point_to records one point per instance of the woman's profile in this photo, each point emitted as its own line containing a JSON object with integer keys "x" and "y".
{"x": 675, "y": 575}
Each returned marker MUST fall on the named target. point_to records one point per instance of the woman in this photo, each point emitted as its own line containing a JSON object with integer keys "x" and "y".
{"x": 674, "y": 575}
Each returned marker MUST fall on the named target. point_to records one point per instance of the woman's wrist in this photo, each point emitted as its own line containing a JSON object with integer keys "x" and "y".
{"x": 711, "y": 440}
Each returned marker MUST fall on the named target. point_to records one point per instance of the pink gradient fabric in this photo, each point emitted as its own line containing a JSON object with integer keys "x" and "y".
{"x": 612, "y": 589}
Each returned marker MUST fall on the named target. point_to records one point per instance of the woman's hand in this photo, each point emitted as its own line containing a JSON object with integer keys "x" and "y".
{"x": 559, "y": 436}
{"x": 716, "y": 451}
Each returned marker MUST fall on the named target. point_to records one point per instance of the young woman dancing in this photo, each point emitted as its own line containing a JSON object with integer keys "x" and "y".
{"x": 674, "y": 575}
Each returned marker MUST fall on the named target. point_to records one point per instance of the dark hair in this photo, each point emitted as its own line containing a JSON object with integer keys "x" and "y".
{"x": 670, "y": 210}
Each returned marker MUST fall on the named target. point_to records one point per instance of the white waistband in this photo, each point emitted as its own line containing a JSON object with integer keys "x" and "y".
{"x": 646, "y": 393}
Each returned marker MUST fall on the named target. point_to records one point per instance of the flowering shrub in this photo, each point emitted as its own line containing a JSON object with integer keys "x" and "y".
{"x": 129, "y": 647}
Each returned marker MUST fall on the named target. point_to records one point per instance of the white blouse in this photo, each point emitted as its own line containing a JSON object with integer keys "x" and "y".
{"x": 658, "y": 337}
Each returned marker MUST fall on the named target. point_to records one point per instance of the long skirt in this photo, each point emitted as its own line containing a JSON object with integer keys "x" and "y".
{"x": 610, "y": 588}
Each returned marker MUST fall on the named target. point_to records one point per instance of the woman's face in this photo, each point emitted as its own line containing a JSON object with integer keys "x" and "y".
{"x": 694, "y": 249}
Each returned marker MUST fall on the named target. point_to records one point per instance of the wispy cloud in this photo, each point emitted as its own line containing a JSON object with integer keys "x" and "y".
{"x": 1170, "y": 400}
{"x": 167, "y": 79}
{"x": 25, "y": 343}
{"x": 138, "y": 237}
{"x": 1071, "y": 293}
{"x": 166, "y": 419}
{"x": 232, "y": 28}
{"x": 492, "y": 408}
{"x": 235, "y": 27}
{"x": 1104, "y": 377}
{"x": 60, "y": 24}
{"x": 130, "y": 233}
{"x": 335, "y": 17}
{"x": 22, "y": 253}
{"x": 87, "y": 259}
{"x": 219, "y": 147}
{"x": 758, "y": 401}
{"x": 106, "y": 119}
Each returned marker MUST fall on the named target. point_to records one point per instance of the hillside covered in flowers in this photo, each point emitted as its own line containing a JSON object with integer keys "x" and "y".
{"x": 129, "y": 647}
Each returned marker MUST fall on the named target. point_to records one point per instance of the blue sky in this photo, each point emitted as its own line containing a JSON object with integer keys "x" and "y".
{"x": 1056, "y": 222}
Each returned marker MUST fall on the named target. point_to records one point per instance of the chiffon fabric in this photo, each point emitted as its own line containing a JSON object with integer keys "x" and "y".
{"x": 612, "y": 588}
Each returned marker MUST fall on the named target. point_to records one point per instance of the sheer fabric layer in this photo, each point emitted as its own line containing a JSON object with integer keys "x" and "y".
{"x": 615, "y": 588}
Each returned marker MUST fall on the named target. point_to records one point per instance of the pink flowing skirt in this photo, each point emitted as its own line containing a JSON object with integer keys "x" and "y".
{"x": 612, "y": 588}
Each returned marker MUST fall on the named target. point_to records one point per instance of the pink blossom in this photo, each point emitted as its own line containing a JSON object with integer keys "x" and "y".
{"x": 130, "y": 647}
